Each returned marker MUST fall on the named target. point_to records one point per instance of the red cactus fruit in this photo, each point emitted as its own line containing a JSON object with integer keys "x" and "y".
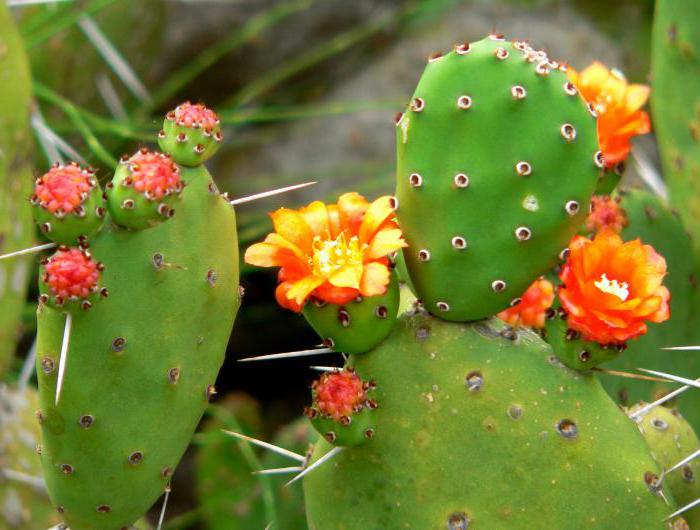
{"x": 338, "y": 394}
{"x": 195, "y": 115}
{"x": 63, "y": 189}
{"x": 71, "y": 273}
{"x": 154, "y": 174}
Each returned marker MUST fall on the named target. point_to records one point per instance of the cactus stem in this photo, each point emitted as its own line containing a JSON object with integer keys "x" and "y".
{"x": 23, "y": 478}
{"x": 639, "y": 413}
{"x": 287, "y": 355}
{"x": 30, "y": 250}
{"x": 165, "y": 505}
{"x": 64, "y": 355}
{"x": 683, "y": 509}
{"x": 270, "y": 193}
{"x": 325, "y": 458}
{"x": 671, "y": 377}
{"x": 265, "y": 445}
{"x": 278, "y": 470}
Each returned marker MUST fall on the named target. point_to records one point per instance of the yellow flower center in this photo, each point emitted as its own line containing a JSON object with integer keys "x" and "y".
{"x": 619, "y": 289}
{"x": 331, "y": 255}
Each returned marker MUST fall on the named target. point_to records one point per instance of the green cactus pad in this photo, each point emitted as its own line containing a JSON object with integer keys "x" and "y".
{"x": 655, "y": 224}
{"x": 67, "y": 204}
{"x": 671, "y": 439}
{"x": 479, "y": 427}
{"x": 191, "y": 134}
{"x": 16, "y": 226}
{"x": 497, "y": 160}
{"x": 359, "y": 326}
{"x": 144, "y": 191}
{"x": 141, "y": 363}
{"x": 609, "y": 180}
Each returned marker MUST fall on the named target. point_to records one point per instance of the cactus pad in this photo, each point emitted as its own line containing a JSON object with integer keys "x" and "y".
{"x": 494, "y": 131}
{"x": 481, "y": 427}
{"x": 141, "y": 363}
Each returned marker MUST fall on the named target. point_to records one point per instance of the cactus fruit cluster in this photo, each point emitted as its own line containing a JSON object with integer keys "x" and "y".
{"x": 135, "y": 310}
{"x": 451, "y": 418}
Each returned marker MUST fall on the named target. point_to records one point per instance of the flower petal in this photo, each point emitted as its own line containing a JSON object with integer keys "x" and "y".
{"x": 375, "y": 278}
{"x": 347, "y": 276}
{"x": 352, "y": 207}
{"x": 291, "y": 225}
{"x": 300, "y": 290}
{"x": 316, "y": 216}
{"x": 384, "y": 243}
{"x": 378, "y": 212}
{"x": 283, "y": 300}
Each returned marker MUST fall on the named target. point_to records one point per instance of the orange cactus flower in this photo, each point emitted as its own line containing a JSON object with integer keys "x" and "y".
{"x": 617, "y": 104}
{"x": 531, "y": 309}
{"x": 611, "y": 287}
{"x": 333, "y": 252}
{"x": 606, "y": 212}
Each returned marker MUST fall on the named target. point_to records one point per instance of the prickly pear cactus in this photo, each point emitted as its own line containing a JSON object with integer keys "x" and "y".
{"x": 16, "y": 227}
{"x": 671, "y": 440}
{"x": 465, "y": 411}
{"x": 675, "y": 79}
{"x": 494, "y": 131}
{"x": 23, "y": 506}
{"x": 654, "y": 223}
{"x": 144, "y": 316}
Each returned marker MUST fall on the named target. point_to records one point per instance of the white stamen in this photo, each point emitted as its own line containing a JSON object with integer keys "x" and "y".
{"x": 619, "y": 289}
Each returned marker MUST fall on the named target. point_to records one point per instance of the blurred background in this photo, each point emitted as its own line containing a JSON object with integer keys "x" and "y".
{"x": 306, "y": 90}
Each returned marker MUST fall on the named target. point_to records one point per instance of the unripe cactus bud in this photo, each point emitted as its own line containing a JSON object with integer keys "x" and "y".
{"x": 144, "y": 191}
{"x": 191, "y": 134}
{"x": 341, "y": 409}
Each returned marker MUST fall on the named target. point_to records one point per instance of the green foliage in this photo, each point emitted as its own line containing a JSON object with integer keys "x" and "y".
{"x": 22, "y": 506}
{"x": 229, "y": 495}
{"x": 675, "y": 99}
{"x": 491, "y": 135}
{"x": 16, "y": 230}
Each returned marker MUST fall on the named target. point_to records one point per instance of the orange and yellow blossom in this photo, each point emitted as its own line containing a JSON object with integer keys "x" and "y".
{"x": 611, "y": 287}
{"x": 533, "y": 305}
{"x": 333, "y": 252}
{"x": 617, "y": 104}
